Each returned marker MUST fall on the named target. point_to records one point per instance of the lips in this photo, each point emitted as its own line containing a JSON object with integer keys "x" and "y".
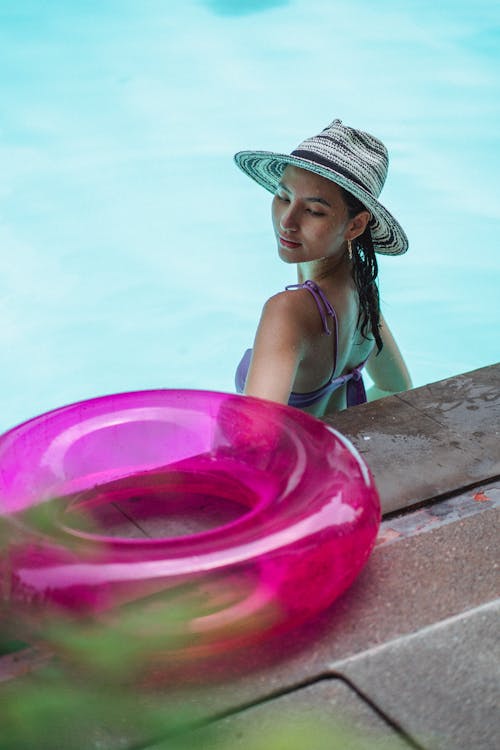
{"x": 288, "y": 243}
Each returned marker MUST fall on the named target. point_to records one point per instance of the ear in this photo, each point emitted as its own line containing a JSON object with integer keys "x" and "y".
{"x": 357, "y": 225}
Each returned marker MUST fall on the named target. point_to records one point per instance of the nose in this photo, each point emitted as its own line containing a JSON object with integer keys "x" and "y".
{"x": 288, "y": 219}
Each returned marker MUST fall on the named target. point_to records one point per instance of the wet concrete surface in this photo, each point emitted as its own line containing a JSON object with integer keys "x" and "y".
{"x": 429, "y": 441}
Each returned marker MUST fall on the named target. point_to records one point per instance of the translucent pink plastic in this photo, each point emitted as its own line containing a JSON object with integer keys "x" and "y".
{"x": 268, "y": 513}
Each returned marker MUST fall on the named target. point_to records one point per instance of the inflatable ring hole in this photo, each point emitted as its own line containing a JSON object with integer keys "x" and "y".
{"x": 157, "y": 505}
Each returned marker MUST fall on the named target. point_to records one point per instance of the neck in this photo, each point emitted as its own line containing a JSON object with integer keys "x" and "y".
{"x": 318, "y": 270}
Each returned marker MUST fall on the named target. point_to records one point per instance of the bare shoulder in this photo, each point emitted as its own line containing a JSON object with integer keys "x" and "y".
{"x": 295, "y": 308}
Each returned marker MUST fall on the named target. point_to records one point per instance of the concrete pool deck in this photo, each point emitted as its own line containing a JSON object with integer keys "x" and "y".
{"x": 409, "y": 654}
{"x": 431, "y": 441}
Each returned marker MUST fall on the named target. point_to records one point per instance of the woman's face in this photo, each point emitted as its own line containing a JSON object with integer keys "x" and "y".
{"x": 310, "y": 217}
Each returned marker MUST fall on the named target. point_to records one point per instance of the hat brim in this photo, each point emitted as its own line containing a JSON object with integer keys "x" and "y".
{"x": 267, "y": 167}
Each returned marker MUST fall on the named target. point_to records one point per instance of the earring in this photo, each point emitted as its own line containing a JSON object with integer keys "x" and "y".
{"x": 349, "y": 249}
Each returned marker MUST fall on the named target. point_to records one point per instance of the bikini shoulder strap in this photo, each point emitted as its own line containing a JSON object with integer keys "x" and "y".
{"x": 325, "y": 309}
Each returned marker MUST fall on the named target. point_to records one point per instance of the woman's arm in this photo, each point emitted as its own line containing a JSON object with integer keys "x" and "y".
{"x": 387, "y": 369}
{"x": 277, "y": 349}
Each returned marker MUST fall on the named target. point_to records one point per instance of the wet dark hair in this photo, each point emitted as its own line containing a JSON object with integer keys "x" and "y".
{"x": 365, "y": 273}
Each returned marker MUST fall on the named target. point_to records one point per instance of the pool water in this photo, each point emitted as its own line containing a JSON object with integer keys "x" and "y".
{"x": 136, "y": 255}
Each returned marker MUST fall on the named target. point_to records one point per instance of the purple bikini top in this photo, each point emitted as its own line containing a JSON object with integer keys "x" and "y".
{"x": 355, "y": 389}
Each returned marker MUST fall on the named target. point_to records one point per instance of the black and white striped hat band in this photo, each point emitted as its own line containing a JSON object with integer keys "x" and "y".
{"x": 352, "y": 159}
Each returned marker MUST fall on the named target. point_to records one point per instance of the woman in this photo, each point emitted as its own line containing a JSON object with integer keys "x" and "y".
{"x": 315, "y": 337}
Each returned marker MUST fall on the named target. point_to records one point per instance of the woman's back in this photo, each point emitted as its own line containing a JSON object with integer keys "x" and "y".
{"x": 333, "y": 349}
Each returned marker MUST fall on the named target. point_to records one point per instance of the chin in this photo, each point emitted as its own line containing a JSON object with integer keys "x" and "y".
{"x": 287, "y": 258}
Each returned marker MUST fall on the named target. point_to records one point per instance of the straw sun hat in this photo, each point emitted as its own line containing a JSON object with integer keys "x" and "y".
{"x": 352, "y": 159}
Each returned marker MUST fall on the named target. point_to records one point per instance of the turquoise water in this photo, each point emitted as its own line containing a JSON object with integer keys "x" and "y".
{"x": 135, "y": 255}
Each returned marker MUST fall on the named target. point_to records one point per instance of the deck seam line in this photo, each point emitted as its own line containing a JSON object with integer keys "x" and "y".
{"x": 424, "y": 630}
{"x": 436, "y": 499}
{"x": 426, "y": 415}
{"x": 329, "y": 675}
{"x": 132, "y": 520}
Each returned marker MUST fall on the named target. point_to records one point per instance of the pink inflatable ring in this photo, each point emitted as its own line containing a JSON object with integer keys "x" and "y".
{"x": 289, "y": 512}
